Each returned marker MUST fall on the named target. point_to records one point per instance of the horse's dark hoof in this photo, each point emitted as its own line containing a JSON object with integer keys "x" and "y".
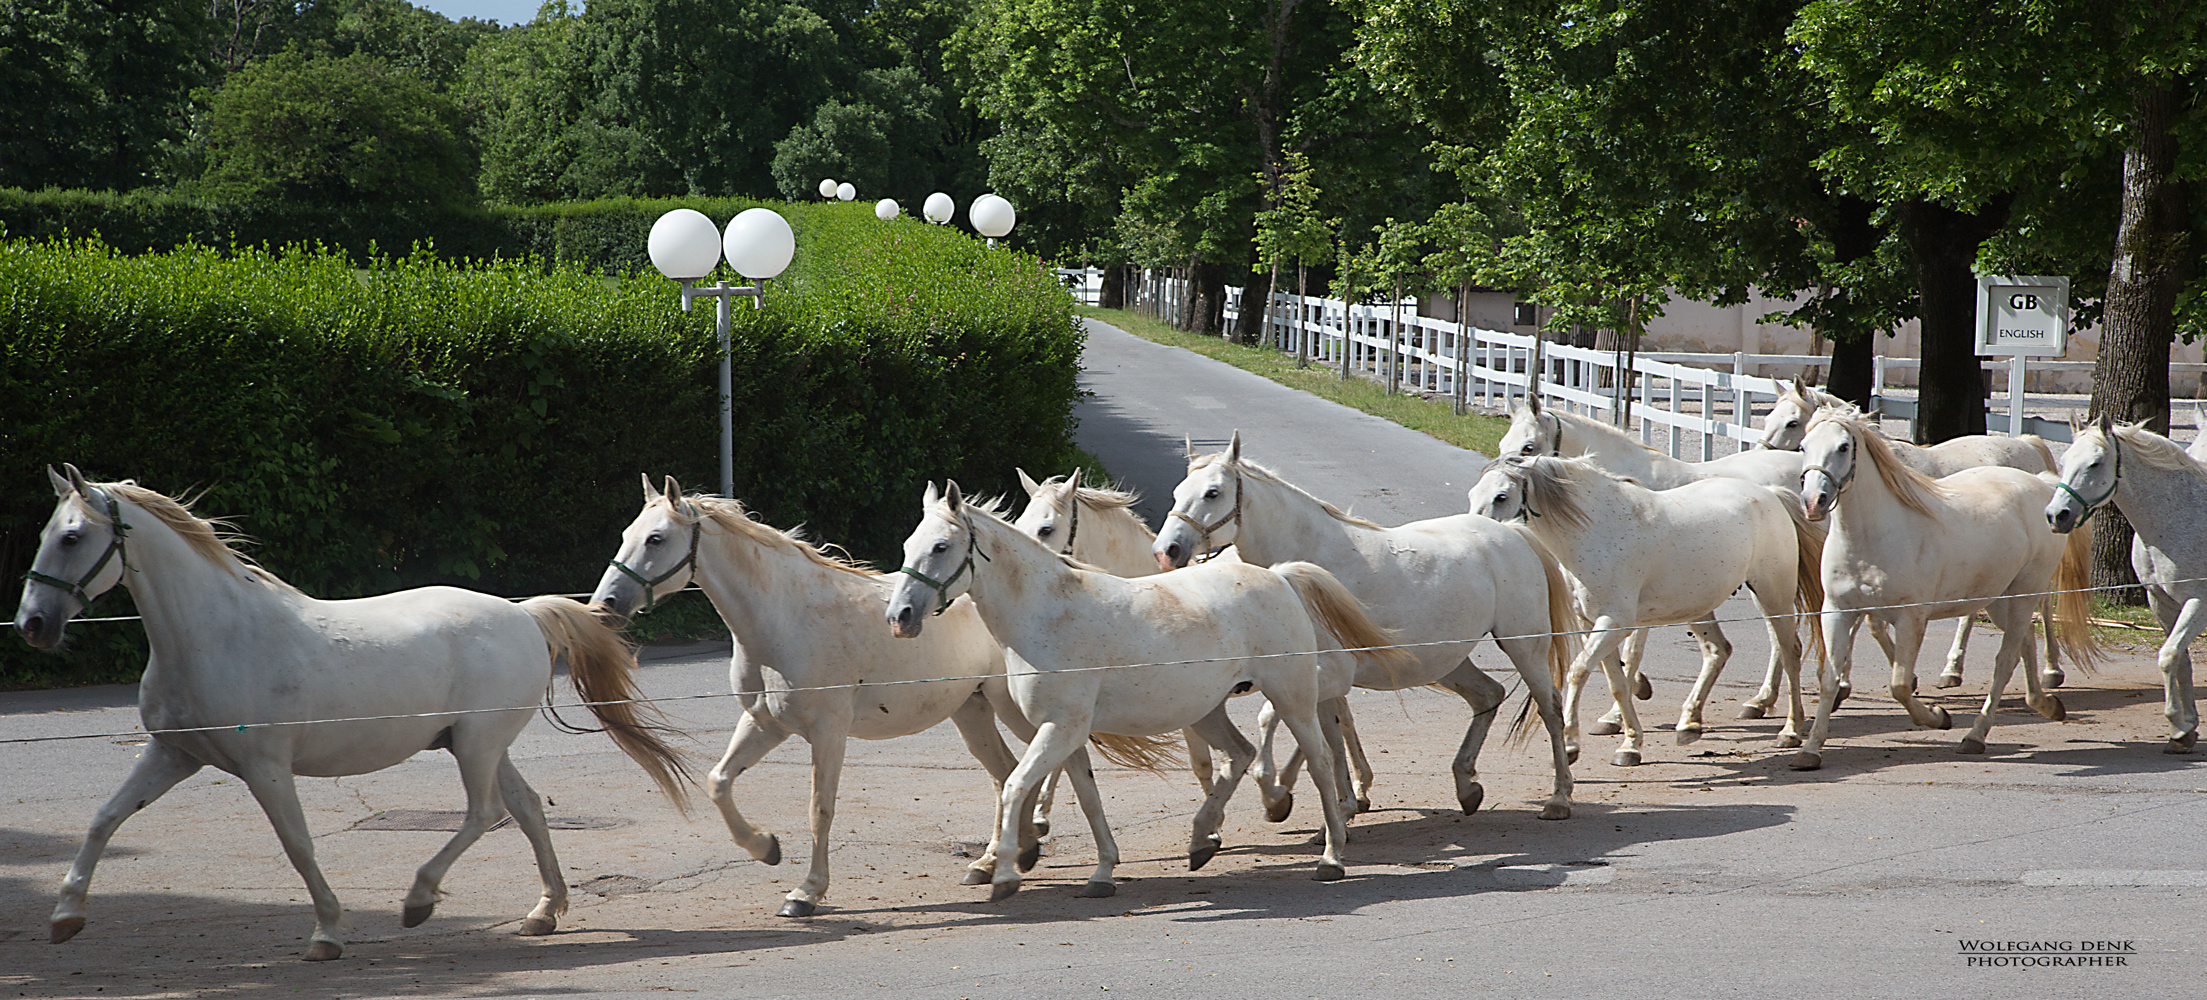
{"x": 1642, "y": 689}
{"x": 1001, "y": 891}
{"x": 1946, "y": 719}
{"x": 977, "y": 876}
{"x": 1787, "y": 741}
{"x": 1604, "y": 727}
{"x": 1845, "y": 691}
{"x": 1029, "y": 856}
{"x": 1471, "y": 796}
{"x": 2054, "y": 709}
{"x": 412, "y": 916}
{"x": 773, "y": 851}
{"x": 1751, "y": 710}
{"x": 1911, "y": 684}
{"x": 797, "y": 908}
{"x": 1950, "y": 680}
{"x": 68, "y": 928}
{"x": 1042, "y": 826}
{"x": 1971, "y": 744}
{"x": 1688, "y": 734}
{"x": 1098, "y": 890}
{"x": 1625, "y": 758}
{"x": 2177, "y": 744}
{"x": 1806, "y": 761}
{"x": 1571, "y": 755}
{"x": 1202, "y": 854}
{"x": 1556, "y": 810}
{"x": 537, "y": 926}
{"x": 1363, "y": 806}
{"x": 2051, "y": 678}
{"x": 326, "y": 951}
{"x": 1328, "y": 873}
{"x": 1277, "y": 809}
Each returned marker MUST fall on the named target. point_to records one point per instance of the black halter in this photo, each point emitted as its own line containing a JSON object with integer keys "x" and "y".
{"x": 114, "y": 550}
{"x": 1072, "y": 519}
{"x": 942, "y": 587}
{"x": 689, "y": 562}
{"x": 1232, "y": 517}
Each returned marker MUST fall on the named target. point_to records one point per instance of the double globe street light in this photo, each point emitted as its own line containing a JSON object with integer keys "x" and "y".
{"x": 686, "y": 246}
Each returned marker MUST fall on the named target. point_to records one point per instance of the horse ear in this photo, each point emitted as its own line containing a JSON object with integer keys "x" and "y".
{"x": 1027, "y": 482}
{"x": 928, "y": 498}
{"x": 1800, "y": 387}
{"x": 2107, "y": 421}
{"x": 1233, "y": 448}
{"x": 651, "y": 492}
{"x": 62, "y": 489}
{"x": 1073, "y": 482}
{"x": 1532, "y": 399}
{"x": 674, "y": 491}
{"x": 76, "y": 480}
{"x": 1188, "y": 443}
{"x": 951, "y": 495}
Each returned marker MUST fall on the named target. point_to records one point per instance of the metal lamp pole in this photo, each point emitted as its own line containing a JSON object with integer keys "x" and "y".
{"x": 686, "y": 246}
{"x": 721, "y": 292}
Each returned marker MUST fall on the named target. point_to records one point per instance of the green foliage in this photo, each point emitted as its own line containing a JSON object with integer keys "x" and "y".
{"x": 879, "y": 141}
{"x": 334, "y": 130}
{"x": 91, "y": 91}
{"x": 420, "y": 420}
{"x": 1291, "y": 229}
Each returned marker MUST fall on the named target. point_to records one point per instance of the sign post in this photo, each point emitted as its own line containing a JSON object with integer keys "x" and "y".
{"x": 2021, "y": 317}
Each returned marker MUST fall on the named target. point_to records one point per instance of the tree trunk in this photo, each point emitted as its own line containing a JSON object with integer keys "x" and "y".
{"x": 1851, "y": 368}
{"x": 1256, "y": 301}
{"x": 1853, "y": 238}
{"x": 2130, "y": 380}
{"x": 1942, "y": 242}
{"x": 1209, "y": 281}
{"x": 1113, "y": 295}
{"x": 1189, "y": 294}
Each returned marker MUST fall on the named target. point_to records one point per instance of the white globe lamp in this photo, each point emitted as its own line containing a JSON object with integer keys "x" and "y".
{"x": 887, "y": 208}
{"x": 993, "y": 216}
{"x": 684, "y": 244}
{"x": 759, "y": 243}
{"x": 827, "y": 187}
{"x": 939, "y": 208}
{"x": 845, "y": 192}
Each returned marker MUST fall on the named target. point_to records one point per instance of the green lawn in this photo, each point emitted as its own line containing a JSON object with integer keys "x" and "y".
{"x": 1433, "y": 417}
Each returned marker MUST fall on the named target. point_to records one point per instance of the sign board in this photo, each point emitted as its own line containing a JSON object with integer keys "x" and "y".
{"x": 2022, "y": 316}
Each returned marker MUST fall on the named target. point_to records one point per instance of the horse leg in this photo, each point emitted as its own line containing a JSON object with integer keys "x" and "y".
{"x": 2184, "y": 624}
{"x": 1484, "y": 696}
{"x": 828, "y": 737}
{"x": 2053, "y": 677}
{"x": 1083, "y": 776}
{"x": 1530, "y": 655}
{"x": 157, "y": 771}
{"x": 1277, "y": 786}
{"x": 1758, "y": 706}
{"x": 1217, "y": 729}
{"x": 1839, "y": 629}
{"x": 273, "y": 787}
{"x": 1353, "y": 746}
{"x": 1199, "y": 759}
{"x": 479, "y": 777}
{"x": 976, "y": 722}
{"x": 1302, "y": 720}
{"x": 1612, "y": 722}
{"x": 2014, "y": 620}
{"x": 1907, "y": 642}
{"x": 1608, "y": 635}
{"x": 1052, "y": 744}
{"x": 1952, "y": 675}
{"x": 751, "y": 741}
{"x": 1715, "y": 650}
{"x": 1045, "y": 799}
{"x": 1329, "y": 726}
{"x": 527, "y": 811}
{"x": 1028, "y": 846}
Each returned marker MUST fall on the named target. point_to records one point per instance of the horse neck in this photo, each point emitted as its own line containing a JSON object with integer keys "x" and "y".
{"x": 1116, "y": 540}
{"x": 1280, "y": 522}
{"x": 1610, "y": 511}
{"x": 763, "y": 592}
{"x": 181, "y": 593}
{"x": 2160, "y": 504}
{"x": 1612, "y": 451}
{"x": 1010, "y": 572}
{"x": 1869, "y": 509}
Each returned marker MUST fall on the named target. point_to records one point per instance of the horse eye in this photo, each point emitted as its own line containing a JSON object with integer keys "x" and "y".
{"x": 941, "y": 547}
{"x": 1044, "y": 531}
{"x": 655, "y": 539}
{"x": 1528, "y": 449}
{"x": 1790, "y": 424}
{"x": 1843, "y": 447}
{"x": 1211, "y": 494}
{"x": 68, "y": 539}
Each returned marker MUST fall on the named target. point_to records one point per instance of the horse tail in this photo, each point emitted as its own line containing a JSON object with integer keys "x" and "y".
{"x": 1563, "y": 629}
{"x": 1808, "y": 569}
{"x": 601, "y": 665}
{"x": 1337, "y": 611}
{"x": 2045, "y": 453}
{"x": 2073, "y": 601}
{"x": 1154, "y": 754}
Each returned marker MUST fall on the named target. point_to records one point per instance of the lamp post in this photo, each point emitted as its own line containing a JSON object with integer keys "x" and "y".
{"x": 992, "y": 217}
{"x": 686, "y": 246}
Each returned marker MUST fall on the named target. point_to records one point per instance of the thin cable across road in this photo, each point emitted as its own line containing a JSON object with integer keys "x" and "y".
{"x": 714, "y": 696}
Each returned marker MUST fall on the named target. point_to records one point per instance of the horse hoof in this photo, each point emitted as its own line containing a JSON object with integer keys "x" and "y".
{"x": 1788, "y": 741}
{"x": 67, "y": 928}
{"x": 1328, "y": 873}
{"x": 1604, "y": 727}
{"x": 977, "y": 876}
{"x": 1029, "y": 856}
{"x": 1556, "y": 810}
{"x": 1950, "y": 680}
{"x": 1042, "y": 826}
{"x": 2051, "y": 678}
{"x": 1571, "y": 755}
{"x": 1643, "y": 690}
{"x": 1277, "y": 810}
{"x": 2177, "y": 744}
{"x": 1688, "y": 734}
{"x": 2054, "y": 709}
{"x": 1625, "y": 758}
{"x": 412, "y": 916}
{"x": 1098, "y": 890}
{"x": 1971, "y": 744}
{"x": 1470, "y": 796}
{"x": 773, "y": 850}
{"x": 1845, "y": 691}
{"x": 1001, "y": 891}
{"x": 1363, "y": 806}
{"x": 1201, "y": 855}
{"x": 1912, "y": 684}
{"x": 325, "y": 951}
{"x": 537, "y": 926}
{"x": 797, "y": 908}
{"x": 1806, "y": 761}
{"x": 1946, "y": 719}
{"x": 1753, "y": 711}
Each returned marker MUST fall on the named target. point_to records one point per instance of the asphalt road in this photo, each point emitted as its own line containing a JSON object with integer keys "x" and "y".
{"x": 1711, "y": 870}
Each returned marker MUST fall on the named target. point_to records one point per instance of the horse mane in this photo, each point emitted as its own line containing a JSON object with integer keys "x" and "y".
{"x": 1816, "y": 399}
{"x": 997, "y": 509}
{"x": 2156, "y": 451}
{"x": 1264, "y": 475}
{"x": 1590, "y": 425}
{"x": 1098, "y": 497}
{"x": 213, "y": 538}
{"x": 730, "y": 514}
{"x": 1549, "y": 484}
{"x": 1913, "y": 489}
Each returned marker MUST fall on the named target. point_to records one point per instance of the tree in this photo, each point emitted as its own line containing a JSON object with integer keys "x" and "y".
{"x": 335, "y": 130}
{"x": 93, "y": 88}
{"x": 880, "y": 140}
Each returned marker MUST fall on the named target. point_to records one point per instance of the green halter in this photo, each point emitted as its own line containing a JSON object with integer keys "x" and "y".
{"x": 114, "y": 549}
{"x": 1232, "y": 517}
{"x": 2091, "y": 506}
{"x": 942, "y": 587}
{"x": 689, "y": 562}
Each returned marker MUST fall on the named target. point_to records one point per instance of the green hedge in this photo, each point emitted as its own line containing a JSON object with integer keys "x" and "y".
{"x": 420, "y": 420}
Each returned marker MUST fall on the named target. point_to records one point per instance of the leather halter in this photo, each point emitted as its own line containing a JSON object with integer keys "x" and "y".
{"x": 1073, "y": 519}
{"x": 2092, "y": 506}
{"x": 942, "y": 587}
{"x": 1232, "y": 517}
{"x": 689, "y": 562}
{"x": 114, "y": 550}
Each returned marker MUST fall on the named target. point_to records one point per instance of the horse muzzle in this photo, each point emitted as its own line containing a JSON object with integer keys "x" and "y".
{"x": 905, "y": 620}
{"x": 41, "y": 631}
{"x": 2062, "y": 518}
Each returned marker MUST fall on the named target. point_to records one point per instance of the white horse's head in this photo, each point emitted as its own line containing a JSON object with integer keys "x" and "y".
{"x": 658, "y": 555}
{"x": 1789, "y": 418}
{"x": 938, "y": 562}
{"x": 1051, "y": 514}
{"x": 2090, "y": 469}
{"x": 1206, "y": 508}
{"x": 1828, "y": 454}
{"x": 80, "y": 557}
{"x": 1499, "y": 494}
{"x": 1533, "y": 432}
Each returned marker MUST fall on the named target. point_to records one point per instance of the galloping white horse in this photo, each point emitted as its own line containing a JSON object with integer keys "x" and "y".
{"x": 1638, "y": 557}
{"x": 1905, "y": 549}
{"x": 811, "y": 660}
{"x": 1536, "y": 430}
{"x": 1072, "y": 635}
{"x": 2162, "y": 491}
{"x": 1788, "y": 423}
{"x": 1458, "y": 577}
{"x": 243, "y": 667}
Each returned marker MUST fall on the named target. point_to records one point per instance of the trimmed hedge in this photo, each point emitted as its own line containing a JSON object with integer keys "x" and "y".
{"x": 421, "y": 420}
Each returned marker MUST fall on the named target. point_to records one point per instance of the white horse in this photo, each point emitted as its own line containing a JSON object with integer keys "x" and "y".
{"x": 1788, "y": 422}
{"x": 1073, "y": 638}
{"x": 2162, "y": 491}
{"x": 1536, "y": 430}
{"x": 1638, "y": 557}
{"x": 811, "y": 660}
{"x": 244, "y": 669}
{"x": 1445, "y": 578}
{"x": 1905, "y": 549}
